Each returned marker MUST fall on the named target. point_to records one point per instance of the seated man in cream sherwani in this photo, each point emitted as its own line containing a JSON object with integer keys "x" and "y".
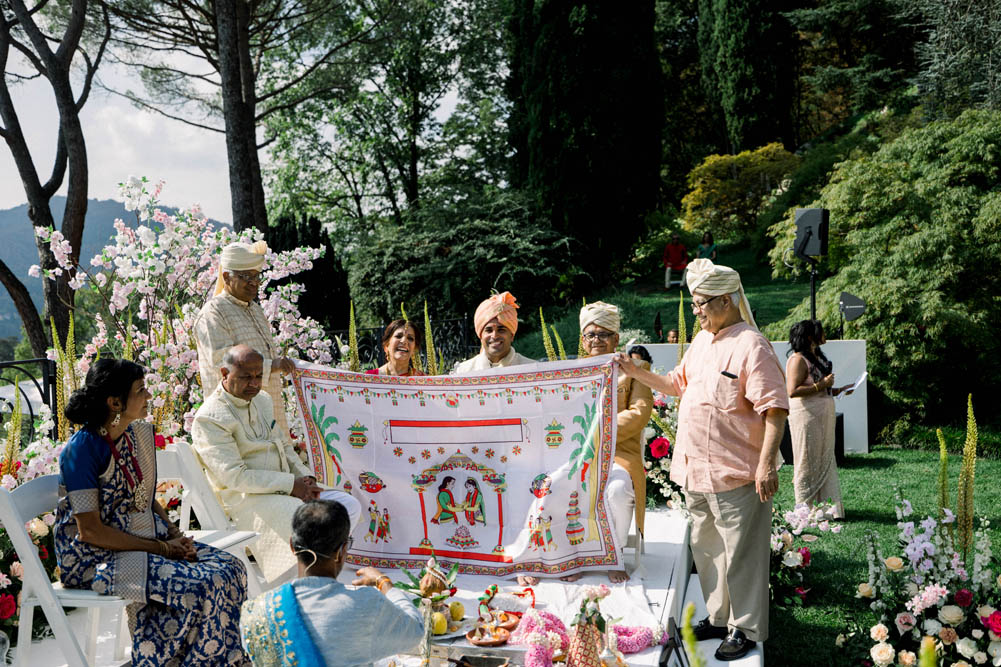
{"x": 252, "y": 466}
{"x": 495, "y": 323}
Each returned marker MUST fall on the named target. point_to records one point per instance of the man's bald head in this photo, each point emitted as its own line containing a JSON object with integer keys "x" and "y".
{"x": 242, "y": 371}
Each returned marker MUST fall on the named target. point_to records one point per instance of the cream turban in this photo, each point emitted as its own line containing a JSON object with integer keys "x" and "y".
{"x": 603, "y": 314}
{"x": 503, "y": 306}
{"x": 711, "y": 279}
{"x": 240, "y": 257}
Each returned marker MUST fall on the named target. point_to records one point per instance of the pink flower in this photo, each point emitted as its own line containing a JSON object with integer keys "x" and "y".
{"x": 905, "y": 621}
{"x": 801, "y": 592}
{"x": 992, "y": 622}
{"x": 963, "y": 597}
{"x": 805, "y": 551}
{"x": 660, "y": 447}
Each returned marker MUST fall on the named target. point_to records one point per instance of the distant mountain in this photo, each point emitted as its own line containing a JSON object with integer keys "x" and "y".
{"x": 18, "y": 251}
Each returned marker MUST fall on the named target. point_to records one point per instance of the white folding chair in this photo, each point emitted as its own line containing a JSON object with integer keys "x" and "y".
{"x": 23, "y": 504}
{"x": 178, "y": 462}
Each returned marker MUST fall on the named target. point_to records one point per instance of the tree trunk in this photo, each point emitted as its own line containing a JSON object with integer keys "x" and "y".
{"x": 33, "y": 328}
{"x": 241, "y": 140}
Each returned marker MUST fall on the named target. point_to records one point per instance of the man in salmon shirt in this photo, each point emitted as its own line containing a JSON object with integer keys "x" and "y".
{"x": 730, "y": 423}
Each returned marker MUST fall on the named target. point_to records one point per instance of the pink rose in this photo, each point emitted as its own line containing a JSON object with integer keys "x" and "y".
{"x": 963, "y": 597}
{"x": 992, "y": 622}
{"x": 660, "y": 447}
{"x": 805, "y": 551}
{"x": 17, "y": 570}
{"x": 905, "y": 621}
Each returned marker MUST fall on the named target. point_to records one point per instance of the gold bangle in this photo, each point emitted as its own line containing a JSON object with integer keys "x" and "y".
{"x": 164, "y": 549}
{"x": 380, "y": 580}
{"x": 815, "y": 389}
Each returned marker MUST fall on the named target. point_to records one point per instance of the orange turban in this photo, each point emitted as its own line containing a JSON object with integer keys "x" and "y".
{"x": 502, "y": 306}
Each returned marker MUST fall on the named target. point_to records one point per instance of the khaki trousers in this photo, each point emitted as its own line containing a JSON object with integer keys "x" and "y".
{"x": 730, "y": 547}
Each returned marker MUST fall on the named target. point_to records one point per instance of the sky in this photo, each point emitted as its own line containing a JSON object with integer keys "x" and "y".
{"x": 122, "y": 141}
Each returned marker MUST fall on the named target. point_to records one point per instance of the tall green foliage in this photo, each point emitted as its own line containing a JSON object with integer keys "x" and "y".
{"x": 682, "y": 328}
{"x": 547, "y": 341}
{"x": 585, "y": 122}
{"x": 964, "y": 497}
{"x": 960, "y": 62}
{"x": 748, "y": 55}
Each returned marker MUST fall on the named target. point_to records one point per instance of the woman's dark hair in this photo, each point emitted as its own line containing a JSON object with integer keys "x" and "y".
{"x": 710, "y": 235}
{"x": 107, "y": 378}
{"x": 802, "y": 336}
{"x": 643, "y": 353}
{"x": 396, "y": 325}
{"x": 444, "y": 482}
{"x": 322, "y": 526}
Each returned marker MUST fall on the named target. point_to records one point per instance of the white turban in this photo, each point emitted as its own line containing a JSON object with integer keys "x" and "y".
{"x": 711, "y": 279}
{"x": 240, "y": 257}
{"x": 603, "y": 314}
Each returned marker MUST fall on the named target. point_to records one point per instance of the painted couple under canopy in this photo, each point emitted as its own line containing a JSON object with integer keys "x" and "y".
{"x": 472, "y": 506}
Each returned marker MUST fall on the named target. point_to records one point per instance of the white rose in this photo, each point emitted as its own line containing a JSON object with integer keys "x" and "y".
{"x": 879, "y": 633}
{"x": 38, "y": 528}
{"x": 883, "y": 654}
{"x": 792, "y": 559}
{"x": 980, "y": 657}
{"x": 994, "y": 649}
{"x": 931, "y": 627}
{"x": 977, "y": 633}
{"x": 966, "y": 647}
{"x": 840, "y": 641}
{"x": 911, "y": 588}
{"x": 951, "y": 614}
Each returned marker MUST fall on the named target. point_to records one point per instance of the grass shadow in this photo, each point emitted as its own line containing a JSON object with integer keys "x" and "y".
{"x": 867, "y": 461}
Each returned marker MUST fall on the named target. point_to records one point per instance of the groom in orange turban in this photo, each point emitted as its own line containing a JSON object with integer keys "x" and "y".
{"x": 495, "y": 323}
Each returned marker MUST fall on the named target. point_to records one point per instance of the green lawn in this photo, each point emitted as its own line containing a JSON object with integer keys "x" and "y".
{"x": 640, "y": 302}
{"x": 806, "y": 635}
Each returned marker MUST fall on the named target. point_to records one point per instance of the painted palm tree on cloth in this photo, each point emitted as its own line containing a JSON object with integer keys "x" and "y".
{"x": 324, "y": 426}
{"x": 582, "y": 458}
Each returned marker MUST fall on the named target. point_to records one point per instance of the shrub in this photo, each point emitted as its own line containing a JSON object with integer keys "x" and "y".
{"x": 916, "y": 232}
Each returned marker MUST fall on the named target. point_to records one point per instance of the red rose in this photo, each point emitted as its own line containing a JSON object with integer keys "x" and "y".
{"x": 992, "y": 622}
{"x": 159, "y": 441}
{"x": 963, "y": 597}
{"x": 805, "y": 552}
{"x": 801, "y": 592}
{"x": 8, "y": 605}
{"x": 43, "y": 553}
{"x": 660, "y": 447}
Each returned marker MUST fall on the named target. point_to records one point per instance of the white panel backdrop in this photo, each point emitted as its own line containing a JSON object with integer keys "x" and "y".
{"x": 849, "y": 362}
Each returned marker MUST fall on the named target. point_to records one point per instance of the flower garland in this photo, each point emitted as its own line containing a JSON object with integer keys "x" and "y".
{"x": 633, "y": 639}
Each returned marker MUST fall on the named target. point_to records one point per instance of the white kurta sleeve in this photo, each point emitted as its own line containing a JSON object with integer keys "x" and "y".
{"x": 213, "y": 440}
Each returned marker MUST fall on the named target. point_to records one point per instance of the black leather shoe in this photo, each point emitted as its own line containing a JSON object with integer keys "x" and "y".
{"x": 735, "y": 646}
{"x": 706, "y": 630}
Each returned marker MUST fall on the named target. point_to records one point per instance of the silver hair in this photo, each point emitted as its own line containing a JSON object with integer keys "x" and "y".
{"x": 233, "y": 357}
{"x": 735, "y": 299}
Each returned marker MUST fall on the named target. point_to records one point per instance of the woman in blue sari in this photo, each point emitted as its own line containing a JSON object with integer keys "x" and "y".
{"x": 112, "y": 536}
{"x": 316, "y": 621}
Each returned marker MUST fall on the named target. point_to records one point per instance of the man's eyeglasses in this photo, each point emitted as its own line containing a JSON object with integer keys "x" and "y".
{"x": 248, "y": 277}
{"x": 602, "y": 336}
{"x": 699, "y": 305}
{"x": 347, "y": 544}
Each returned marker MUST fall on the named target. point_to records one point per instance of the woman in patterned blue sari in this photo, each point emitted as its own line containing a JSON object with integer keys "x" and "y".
{"x": 113, "y": 537}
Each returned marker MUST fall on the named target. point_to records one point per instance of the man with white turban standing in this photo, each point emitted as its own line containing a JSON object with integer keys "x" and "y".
{"x": 730, "y": 423}
{"x": 495, "y": 323}
{"x": 234, "y": 317}
{"x": 626, "y": 487}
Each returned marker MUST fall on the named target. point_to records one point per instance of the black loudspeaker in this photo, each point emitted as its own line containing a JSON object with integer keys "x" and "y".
{"x": 811, "y": 231}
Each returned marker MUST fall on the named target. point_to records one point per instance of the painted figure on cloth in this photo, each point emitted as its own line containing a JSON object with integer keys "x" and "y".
{"x": 474, "y": 503}
{"x": 447, "y": 509}
{"x": 547, "y": 526}
{"x": 383, "y": 532}
{"x": 373, "y": 522}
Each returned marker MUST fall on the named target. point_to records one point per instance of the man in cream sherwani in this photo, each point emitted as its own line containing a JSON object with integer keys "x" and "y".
{"x": 251, "y": 465}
